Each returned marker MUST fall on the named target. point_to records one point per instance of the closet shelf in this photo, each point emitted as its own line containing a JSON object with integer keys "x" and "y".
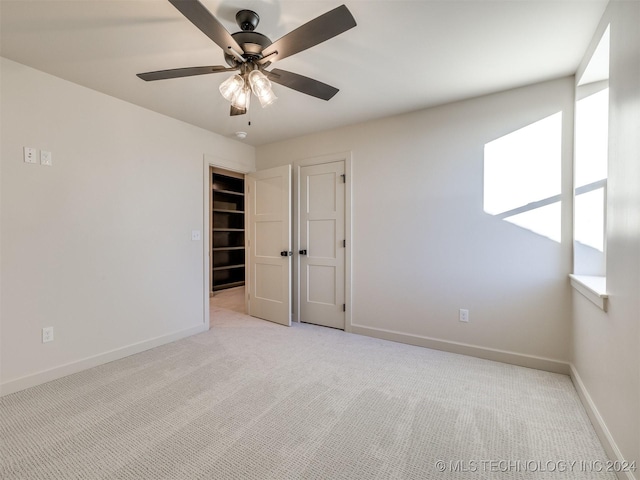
{"x": 228, "y": 285}
{"x": 228, "y": 192}
{"x": 224, "y": 210}
{"x": 227, "y": 227}
{"x": 228, "y": 267}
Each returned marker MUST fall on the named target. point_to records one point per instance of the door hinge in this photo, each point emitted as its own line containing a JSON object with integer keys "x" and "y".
{"x": 344, "y": 307}
{"x": 344, "y": 178}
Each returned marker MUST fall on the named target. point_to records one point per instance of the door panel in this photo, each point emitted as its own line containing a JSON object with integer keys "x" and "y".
{"x": 267, "y": 237}
{"x": 321, "y": 284}
{"x": 265, "y": 288}
{"x": 322, "y": 230}
{"x": 322, "y": 238}
{"x": 269, "y": 231}
{"x": 321, "y": 192}
{"x": 269, "y": 193}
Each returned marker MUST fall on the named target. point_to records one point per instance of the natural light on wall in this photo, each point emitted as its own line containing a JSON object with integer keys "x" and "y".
{"x": 522, "y": 177}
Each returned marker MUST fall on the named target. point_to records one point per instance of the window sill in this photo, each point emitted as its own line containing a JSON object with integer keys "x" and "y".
{"x": 592, "y": 287}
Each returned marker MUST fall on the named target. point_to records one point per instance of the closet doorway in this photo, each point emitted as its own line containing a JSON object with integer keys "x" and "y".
{"x": 227, "y": 239}
{"x": 227, "y": 229}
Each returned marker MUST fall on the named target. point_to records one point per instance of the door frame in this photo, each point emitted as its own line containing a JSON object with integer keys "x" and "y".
{"x": 297, "y": 165}
{"x": 235, "y": 166}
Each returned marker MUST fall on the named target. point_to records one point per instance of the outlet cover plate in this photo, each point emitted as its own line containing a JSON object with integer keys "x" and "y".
{"x": 47, "y": 334}
{"x": 46, "y": 158}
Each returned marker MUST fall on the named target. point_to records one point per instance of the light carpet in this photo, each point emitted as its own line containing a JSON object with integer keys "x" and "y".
{"x": 254, "y": 400}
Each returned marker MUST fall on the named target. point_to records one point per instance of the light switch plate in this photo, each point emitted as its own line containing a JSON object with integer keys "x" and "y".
{"x": 30, "y": 155}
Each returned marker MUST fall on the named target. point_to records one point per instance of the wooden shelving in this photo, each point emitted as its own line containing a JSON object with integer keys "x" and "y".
{"x": 227, "y": 231}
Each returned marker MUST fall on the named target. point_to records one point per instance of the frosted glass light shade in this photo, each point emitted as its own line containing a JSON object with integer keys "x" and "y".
{"x": 231, "y": 86}
{"x": 241, "y": 99}
{"x": 261, "y": 87}
{"x": 267, "y": 98}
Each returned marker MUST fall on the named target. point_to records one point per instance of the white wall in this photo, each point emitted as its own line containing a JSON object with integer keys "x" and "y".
{"x": 606, "y": 347}
{"x": 99, "y": 245}
{"x": 422, "y": 245}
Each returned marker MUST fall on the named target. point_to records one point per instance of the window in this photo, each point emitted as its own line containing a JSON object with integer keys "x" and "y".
{"x": 590, "y": 163}
{"x": 590, "y": 176}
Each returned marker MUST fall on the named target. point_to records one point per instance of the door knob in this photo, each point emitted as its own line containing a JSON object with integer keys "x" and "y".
{"x": 285, "y": 253}
{"x": 302, "y": 252}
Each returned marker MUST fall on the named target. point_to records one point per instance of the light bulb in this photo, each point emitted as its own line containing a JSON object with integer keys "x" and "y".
{"x": 231, "y": 86}
{"x": 241, "y": 99}
{"x": 261, "y": 87}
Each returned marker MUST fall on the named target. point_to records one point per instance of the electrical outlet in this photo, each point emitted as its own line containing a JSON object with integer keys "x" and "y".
{"x": 195, "y": 235}
{"x": 46, "y": 158}
{"x": 30, "y": 155}
{"x": 47, "y": 334}
{"x": 464, "y": 315}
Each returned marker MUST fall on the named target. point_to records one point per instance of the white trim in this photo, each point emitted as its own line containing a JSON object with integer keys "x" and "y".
{"x": 348, "y": 233}
{"x": 55, "y": 373}
{"x": 504, "y": 356}
{"x": 592, "y": 287}
{"x": 233, "y": 165}
{"x": 600, "y": 427}
{"x": 605, "y": 21}
{"x": 347, "y": 157}
{"x": 211, "y": 161}
{"x": 206, "y": 243}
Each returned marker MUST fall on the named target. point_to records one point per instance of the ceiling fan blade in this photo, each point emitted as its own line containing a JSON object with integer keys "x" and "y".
{"x": 302, "y": 84}
{"x": 197, "y": 14}
{"x": 321, "y": 28}
{"x": 182, "y": 72}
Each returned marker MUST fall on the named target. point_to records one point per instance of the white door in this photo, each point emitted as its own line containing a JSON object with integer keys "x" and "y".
{"x": 268, "y": 194}
{"x": 322, "y": 247}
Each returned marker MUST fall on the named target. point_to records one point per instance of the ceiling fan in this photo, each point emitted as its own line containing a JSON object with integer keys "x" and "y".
{"x": 249, "y": 53}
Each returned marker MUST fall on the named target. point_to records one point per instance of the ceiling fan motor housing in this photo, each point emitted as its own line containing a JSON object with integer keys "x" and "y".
{"x": 252, "y": 44}
{"x": 247, "y": 20}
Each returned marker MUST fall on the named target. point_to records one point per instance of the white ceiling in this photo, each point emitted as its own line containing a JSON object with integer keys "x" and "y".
{"x": 402, "y": 56}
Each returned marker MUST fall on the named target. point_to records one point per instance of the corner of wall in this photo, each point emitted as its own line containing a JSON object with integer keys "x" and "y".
{"x": 599, "y": 425}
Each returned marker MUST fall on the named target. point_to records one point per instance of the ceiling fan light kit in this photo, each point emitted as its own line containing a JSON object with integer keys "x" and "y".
{"x": 250, "y": 53}
{"x": 237, "y": 88}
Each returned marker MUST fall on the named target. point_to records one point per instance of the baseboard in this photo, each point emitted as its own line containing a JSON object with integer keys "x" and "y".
{"x": 604, "y": 435}
{"x": 54, "y": 373}
{"x": 513, "y": 358}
